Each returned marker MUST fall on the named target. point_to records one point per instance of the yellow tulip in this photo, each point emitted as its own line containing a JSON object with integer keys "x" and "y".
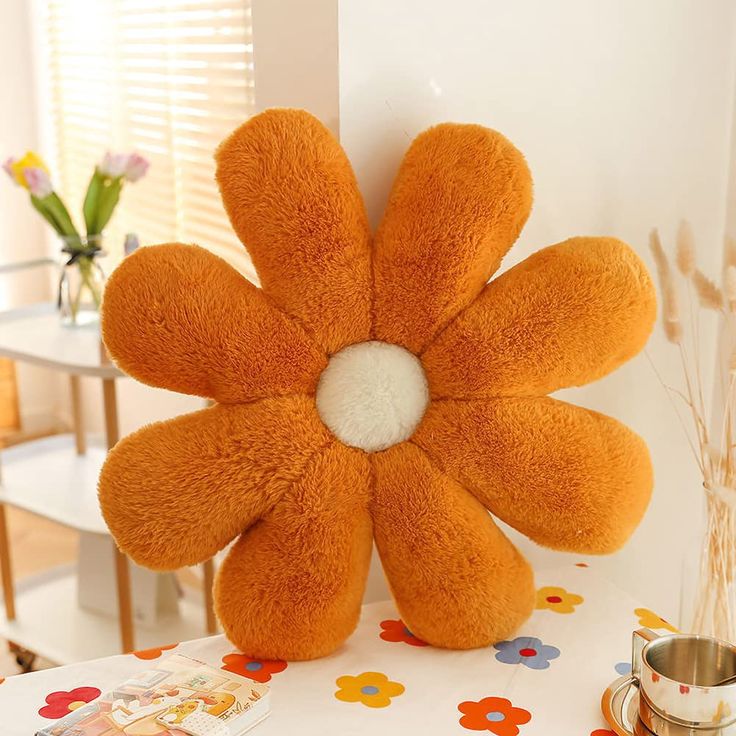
{"x": 17, "y": 167}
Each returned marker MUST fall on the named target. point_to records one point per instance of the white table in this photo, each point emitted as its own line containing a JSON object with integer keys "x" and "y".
{"x": 56, "y": 478}
{"x": 562, "y": 699}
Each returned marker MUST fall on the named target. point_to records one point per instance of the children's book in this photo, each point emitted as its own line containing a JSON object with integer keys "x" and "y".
{"x": 179, "y": 697}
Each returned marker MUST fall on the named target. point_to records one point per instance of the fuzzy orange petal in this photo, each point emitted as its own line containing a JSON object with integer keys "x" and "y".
{"x": 178, "y": 317}
{"x": 177, "y": 492}
{"x": 565, "y": 316}
{"x": 292, "y": 198}
{"x": 458, "y": 203}
{"x": 567, "y": 477}
{"x": 457, "y": 580}
{"x": 292, "y": 586}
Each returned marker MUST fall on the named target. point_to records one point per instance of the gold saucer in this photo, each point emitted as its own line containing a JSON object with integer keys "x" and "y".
{"x": 620, "y": 707}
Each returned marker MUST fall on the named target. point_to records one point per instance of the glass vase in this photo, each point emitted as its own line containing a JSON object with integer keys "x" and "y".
{"x": 708, "y": 595}
{"x": 81, "y": 281}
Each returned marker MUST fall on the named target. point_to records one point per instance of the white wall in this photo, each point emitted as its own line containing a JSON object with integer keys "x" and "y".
{"x": 21, "y": 229}
{"x": 623, "y": 109}
{"x": 291, "y": 69}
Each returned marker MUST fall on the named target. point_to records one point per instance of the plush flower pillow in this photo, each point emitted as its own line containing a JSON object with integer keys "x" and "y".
{"x": 374, "y": 388}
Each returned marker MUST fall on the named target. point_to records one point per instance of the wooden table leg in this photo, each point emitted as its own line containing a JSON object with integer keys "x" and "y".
{"x": 209, "y": 605}
{"x": 122, "y": 568}
{"x": 5, "y": 567}
{"x": 109, "y": 395}
{"x": 78, "y": 414}
{"x": 125, "y": 604}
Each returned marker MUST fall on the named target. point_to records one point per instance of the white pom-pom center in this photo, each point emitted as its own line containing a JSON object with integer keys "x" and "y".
{"x": 372, "y": 395}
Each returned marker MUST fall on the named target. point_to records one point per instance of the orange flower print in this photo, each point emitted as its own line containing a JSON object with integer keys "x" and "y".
{"x": 397, "y": 631}
{"x": 602, "y": 732}
{"x": 155, "y": 652}
{"x": 557, "y": 600}
{"x": 496, "y": 715}
{"x": 259, "y": 670}
{"x": 652, "y": 621}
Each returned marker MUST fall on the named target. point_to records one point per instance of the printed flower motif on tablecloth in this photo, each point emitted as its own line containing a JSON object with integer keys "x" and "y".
{"x": 602, "y": 732}
{"x": 259, "y": 670}
{"x": 154, "y": 652}
{"x": 526, "y": 650}
{"x": 652, "y": 621}
{"x": 722, "y": 711}
{"x": 62, "y": 702}
{"x": 496, "y": 715}
{"x": 396, "y": 631}
{"x": 557, "y": 599}
{"x": 373, "y": 689}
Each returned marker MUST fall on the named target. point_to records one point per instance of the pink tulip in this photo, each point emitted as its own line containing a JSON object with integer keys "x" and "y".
{"x": 136, "y": 167}
{"x": 7, "y": 167}
{"x": 38, "y": 182}
{"x": 113, "y": 164}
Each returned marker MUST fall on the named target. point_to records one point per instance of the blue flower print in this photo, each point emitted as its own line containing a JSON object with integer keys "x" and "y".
{"x": 528, "y": 651}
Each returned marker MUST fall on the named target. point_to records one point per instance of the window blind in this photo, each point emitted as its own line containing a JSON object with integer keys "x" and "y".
{"x": 166, "y": 78}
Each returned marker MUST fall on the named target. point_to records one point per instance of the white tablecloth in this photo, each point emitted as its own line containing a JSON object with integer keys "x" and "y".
{"x": 546, "y": 682}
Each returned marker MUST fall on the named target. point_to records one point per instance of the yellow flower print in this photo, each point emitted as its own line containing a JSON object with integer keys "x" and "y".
{"x": 652, "y": 621}
{"x": 557, "y": 600}
{"x": 373, "y": 689}
{"x": 722, "y": 712}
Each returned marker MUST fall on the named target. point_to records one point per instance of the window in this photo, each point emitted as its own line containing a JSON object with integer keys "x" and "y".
{"x": 167, "y": 78}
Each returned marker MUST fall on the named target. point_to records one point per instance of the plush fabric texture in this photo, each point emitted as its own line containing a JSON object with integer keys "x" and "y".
{"x": 460, "y": 199}
{"x": 324, "y": 439}
{"x": 291, "y": 196}
{"x": 185, "y": 320}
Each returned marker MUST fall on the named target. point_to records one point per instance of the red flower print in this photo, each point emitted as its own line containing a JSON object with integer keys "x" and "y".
{"x": 655, "y": 677}
{"x": 153, "y": 653}
{"x": 496, "y": 715}
{"x": 684, "y": 689}
{"x": 62, "y": 703}
{"x": 259, "y": 670}
{"x": 397, "y": 631}
{"x": 602, "y": 732}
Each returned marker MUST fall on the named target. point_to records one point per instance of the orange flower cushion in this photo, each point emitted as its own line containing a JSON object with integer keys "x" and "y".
{"x": 374, "y": 388}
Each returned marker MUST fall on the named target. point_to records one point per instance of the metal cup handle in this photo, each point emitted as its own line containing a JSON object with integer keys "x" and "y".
{"x": 639, "y": 639}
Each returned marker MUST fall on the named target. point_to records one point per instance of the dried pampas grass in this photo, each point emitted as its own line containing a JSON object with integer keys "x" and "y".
{"x": 713, "y": 442}
{"x": 709, "y": 294}
{"x": 670, "y": 305}
{"x": 685, "y": 249}
{"x": 730, "y": 251}
{"x": 729, "y": 284}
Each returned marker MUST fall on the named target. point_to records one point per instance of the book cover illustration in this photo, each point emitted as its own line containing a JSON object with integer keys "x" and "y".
{"x": 179, "y": 697}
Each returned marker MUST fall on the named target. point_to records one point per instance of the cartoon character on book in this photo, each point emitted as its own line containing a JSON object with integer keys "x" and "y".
{"x": 157, "y": 713}
{"x": 193, "y": 715}
{"x": 179, "y": 697}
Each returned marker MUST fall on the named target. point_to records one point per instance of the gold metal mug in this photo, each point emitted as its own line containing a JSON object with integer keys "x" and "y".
{"x": 678, "y": 677}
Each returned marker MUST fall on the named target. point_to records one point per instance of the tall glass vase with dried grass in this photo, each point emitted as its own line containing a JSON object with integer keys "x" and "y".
{"x": 709, "y": 419}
